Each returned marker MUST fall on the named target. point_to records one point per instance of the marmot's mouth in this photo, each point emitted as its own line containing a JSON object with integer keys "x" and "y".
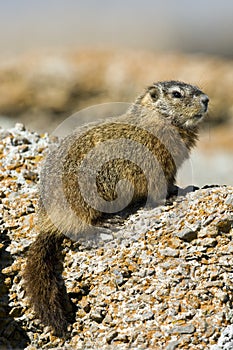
{"x": 198, "y": 116}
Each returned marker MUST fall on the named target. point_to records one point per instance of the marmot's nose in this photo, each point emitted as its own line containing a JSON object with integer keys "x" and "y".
{"x": 205, "y": 101}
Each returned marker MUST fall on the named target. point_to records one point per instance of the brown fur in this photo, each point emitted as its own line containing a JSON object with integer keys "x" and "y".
{"x": 164, "y": 121}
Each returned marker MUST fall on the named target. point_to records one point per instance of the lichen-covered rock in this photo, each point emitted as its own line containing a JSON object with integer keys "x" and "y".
{"x": 151, "y": 287}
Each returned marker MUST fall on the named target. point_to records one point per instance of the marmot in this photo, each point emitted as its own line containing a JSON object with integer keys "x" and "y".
{"x": 81, "y": 179}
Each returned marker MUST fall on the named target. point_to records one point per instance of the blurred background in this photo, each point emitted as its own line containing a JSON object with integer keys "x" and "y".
{"x": 58, "y": 57}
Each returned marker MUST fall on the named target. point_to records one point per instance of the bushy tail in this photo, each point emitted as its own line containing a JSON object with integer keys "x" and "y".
{"x": 42, "y": 284}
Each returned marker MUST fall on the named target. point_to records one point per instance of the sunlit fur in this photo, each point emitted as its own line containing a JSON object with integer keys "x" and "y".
{"x": 163, "y": 120}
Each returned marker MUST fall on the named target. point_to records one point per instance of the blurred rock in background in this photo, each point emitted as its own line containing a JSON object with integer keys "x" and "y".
{"x": 43, "y": 89}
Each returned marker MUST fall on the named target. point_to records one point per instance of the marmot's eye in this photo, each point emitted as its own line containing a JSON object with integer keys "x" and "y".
{"x": 176, "y": 94}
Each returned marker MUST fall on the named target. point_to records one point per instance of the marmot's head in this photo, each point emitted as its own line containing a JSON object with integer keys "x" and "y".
{"x": 183, "y": 104}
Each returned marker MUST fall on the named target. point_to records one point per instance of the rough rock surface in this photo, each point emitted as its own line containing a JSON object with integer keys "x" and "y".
{"x": 164, "y": 282}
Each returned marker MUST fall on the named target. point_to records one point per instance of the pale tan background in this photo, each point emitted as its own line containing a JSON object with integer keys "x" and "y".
{"x": 193, "y": 26}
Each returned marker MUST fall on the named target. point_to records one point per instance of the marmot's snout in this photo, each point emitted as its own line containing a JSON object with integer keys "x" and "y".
{"x": 205, "y": 102}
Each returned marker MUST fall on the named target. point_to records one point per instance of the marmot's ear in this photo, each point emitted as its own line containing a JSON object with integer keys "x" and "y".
{"x": 154, "y": 92}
